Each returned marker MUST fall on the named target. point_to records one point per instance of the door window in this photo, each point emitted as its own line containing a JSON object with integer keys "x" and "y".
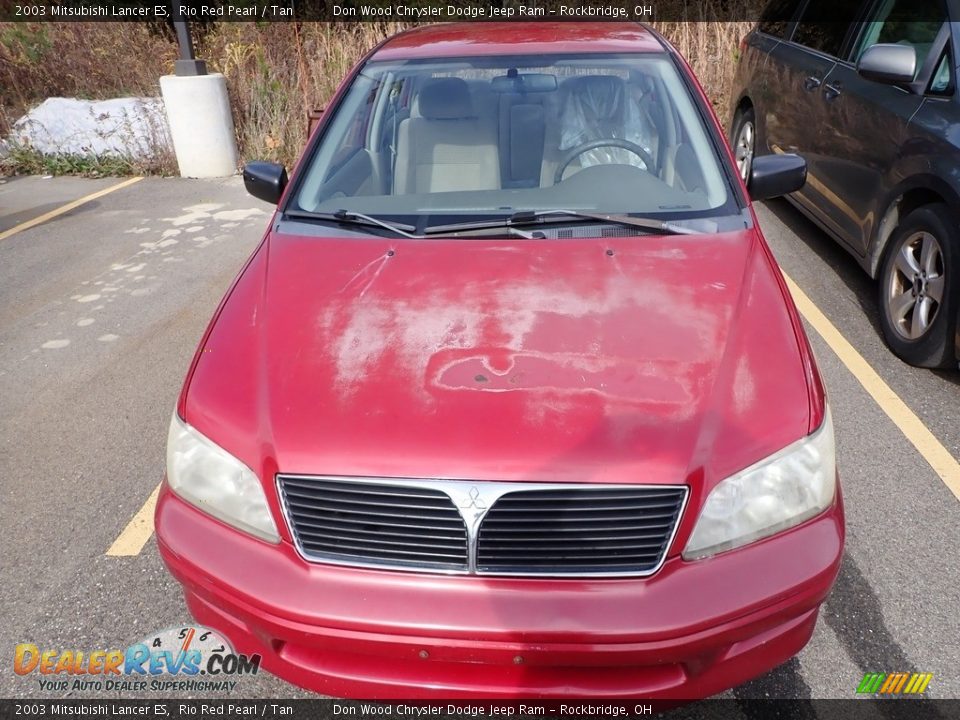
{"x": 818, "y": 28}
{"x": 942, "y": 81}
{"x": 777, "y": 16}
{"x": 904, "y": 22}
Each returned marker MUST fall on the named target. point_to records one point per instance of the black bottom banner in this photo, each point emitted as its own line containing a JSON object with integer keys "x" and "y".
{"x": 864, "y": 709}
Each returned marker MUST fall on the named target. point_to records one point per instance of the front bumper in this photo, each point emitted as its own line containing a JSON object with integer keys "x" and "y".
{"x": 692, "y": 630}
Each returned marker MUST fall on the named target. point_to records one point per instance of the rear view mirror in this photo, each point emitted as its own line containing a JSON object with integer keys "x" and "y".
{"x": 775, "y": 175}
{"x": 265, "y": 180}
{"x": 524, "y": 83}
{"x": 887, "y": 63}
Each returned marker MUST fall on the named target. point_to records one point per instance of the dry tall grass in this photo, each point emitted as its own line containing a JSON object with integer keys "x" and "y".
{"x": 276, "y": 72}
{"x": 93, "y": 61}
{"x": 712, "y": 49}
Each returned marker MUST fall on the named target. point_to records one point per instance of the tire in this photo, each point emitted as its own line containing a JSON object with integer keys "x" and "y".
{"x": 918, "y": 284}
{"x": 743, "y": 141}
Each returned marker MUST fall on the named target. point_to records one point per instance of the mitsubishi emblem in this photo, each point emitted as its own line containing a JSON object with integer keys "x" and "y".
{"x": 475, "y": 500}
{"x": 473, "y": 507}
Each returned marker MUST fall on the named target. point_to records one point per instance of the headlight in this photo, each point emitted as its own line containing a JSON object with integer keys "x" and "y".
{"x": 209, "y": 477}
{"x": 787, "y": 488}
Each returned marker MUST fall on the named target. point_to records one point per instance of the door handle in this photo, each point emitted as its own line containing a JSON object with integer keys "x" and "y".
{"x": 831, "y": 90}
{"x": 812, "y": 83}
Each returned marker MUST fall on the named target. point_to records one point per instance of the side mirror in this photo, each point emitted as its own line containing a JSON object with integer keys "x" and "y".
{"x": 775, "y": 175}
{"x": 265, "y": 180}
{"x": 888, "y": 63}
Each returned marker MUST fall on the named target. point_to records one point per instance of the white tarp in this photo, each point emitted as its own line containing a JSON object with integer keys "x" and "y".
{"x": 129, "y": 127}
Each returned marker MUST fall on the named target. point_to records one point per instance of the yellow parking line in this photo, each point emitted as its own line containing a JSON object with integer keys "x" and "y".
{"x": 33, "y": 222}
{"x": 939, "y": 458}
{"x": 137, "y": 531}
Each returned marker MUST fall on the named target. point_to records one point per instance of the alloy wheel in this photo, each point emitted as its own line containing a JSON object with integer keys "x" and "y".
{"x": 743, "y": 150}
{"x": 915, "y": 285}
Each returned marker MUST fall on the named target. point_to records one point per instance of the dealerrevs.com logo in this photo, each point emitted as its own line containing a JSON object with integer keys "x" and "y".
{"x": 184, "y": 659}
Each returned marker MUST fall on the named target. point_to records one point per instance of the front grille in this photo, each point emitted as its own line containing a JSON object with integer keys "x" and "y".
{"x": 360, "y": 523}
{"x": 579, "y": 531}
{"x": 489, "y": 528}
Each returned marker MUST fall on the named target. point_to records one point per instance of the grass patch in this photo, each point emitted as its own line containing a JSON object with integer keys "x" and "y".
{"x": 21, "y": 160}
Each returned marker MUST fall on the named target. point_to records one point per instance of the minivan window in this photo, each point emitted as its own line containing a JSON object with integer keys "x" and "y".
{"x": 904, "y": 22}
{"x": 817, "y": 32}
{"x": 941, "y": 84}
{"x": 777, "y": 16}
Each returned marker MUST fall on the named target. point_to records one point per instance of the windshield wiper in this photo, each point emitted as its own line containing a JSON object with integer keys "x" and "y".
{"x": 662, "y": 226}
{"x": 346, "y": 217}
{"x": 513, "y": 223}
{"x": 525, "y": 218}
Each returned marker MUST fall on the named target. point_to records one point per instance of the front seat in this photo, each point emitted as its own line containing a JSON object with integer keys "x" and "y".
{"x": 445, "y": 145}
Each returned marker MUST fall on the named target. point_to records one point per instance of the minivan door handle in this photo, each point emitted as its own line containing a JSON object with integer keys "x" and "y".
{"x": 812, "y": 83}
{"x": 831, "y": 90}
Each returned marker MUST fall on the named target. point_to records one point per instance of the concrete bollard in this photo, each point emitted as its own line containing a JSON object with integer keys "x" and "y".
{"x": 198, "y": 110}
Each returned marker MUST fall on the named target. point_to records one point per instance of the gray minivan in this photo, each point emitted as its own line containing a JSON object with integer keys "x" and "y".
{"x": 871, "y": 105}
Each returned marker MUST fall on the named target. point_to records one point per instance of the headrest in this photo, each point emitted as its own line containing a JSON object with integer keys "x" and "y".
{"x": 445, "y": 99}
{"x": 601, "y": 96}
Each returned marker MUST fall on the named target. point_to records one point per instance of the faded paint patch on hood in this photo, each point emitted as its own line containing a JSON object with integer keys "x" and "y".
{"x": 505, "y": 359}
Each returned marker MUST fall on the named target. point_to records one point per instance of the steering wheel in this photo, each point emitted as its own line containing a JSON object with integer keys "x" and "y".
{"x": 603, "y": 142}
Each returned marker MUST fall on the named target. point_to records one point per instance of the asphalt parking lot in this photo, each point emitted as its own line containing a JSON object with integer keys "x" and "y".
{"x": 102, "y": 306}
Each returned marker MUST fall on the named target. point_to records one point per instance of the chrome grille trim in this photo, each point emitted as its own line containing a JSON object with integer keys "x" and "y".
{"x": 472, "y": 500}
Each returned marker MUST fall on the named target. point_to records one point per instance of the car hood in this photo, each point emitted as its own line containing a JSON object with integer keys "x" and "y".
{"x": 622, "y": 360}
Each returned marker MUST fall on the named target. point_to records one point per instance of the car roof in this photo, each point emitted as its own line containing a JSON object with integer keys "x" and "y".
{"x": 475, "y": 39}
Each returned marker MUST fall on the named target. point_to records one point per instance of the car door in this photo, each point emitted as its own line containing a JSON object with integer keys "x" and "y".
{"x": 802, "y": 65}
{"x": 760, "y": 69}
{"x": 866, "y": 122}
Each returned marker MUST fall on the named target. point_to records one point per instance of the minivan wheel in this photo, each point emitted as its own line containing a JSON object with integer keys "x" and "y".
{"x": 745, "y": 141}
{"x": 918, "y": 307}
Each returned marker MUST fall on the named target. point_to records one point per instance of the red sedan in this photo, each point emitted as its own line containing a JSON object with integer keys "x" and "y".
{"x": 511, "y": 401}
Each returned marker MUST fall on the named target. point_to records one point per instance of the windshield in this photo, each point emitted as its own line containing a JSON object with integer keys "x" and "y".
{"x": 454, "y": 139}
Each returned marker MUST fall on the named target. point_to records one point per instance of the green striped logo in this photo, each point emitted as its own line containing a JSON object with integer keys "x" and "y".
{"x": 901, "y": 683}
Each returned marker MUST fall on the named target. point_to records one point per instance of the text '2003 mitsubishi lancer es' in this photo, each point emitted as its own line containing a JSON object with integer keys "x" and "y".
{"x": 511, "y": 400}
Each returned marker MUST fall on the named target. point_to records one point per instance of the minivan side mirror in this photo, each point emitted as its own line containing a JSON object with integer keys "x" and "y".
{"x": 888, "y": 63}
{"x": 265, "y": 180}
{"x": 775, "y": 175}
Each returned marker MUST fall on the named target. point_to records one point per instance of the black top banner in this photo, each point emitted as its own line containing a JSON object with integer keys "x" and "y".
{"x": 348, "y": 11}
